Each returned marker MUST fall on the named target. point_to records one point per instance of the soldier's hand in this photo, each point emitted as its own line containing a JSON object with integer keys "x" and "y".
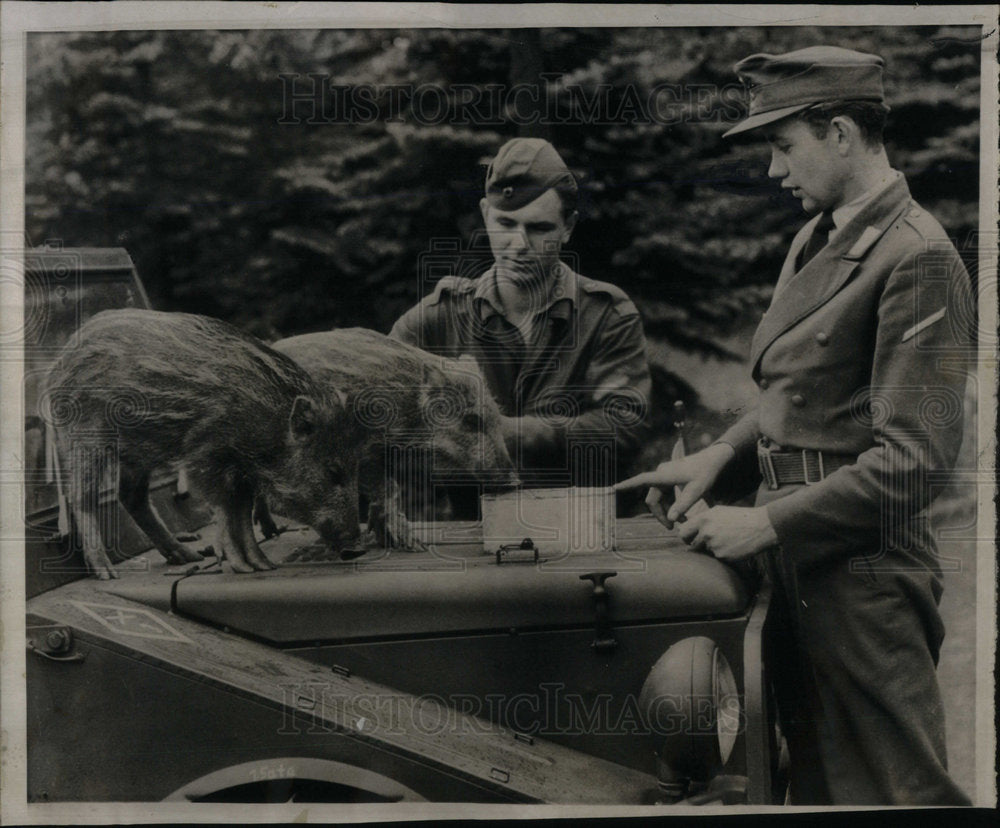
{"x": 695, "y": 473}
{"x": 730, "y": 533}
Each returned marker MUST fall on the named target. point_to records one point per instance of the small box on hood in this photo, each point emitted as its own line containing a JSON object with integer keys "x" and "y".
{"x": 559, "y": 521}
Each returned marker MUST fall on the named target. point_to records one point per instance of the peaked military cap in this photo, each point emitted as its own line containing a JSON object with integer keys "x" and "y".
{"x": 523, "y": 169}
{"x": 781, "y": 85}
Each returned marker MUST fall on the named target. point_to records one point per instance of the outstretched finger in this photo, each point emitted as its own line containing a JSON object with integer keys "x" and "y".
{"x": 658, "y": 477}
{"x": 636, "y": 482}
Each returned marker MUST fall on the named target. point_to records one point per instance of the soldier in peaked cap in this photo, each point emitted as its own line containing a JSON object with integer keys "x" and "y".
{"x": 564, "y": 355}
{"x": 861, "y": 340}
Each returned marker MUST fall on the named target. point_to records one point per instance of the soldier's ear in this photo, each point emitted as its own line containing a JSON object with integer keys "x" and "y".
{"x": 302, "y": 420}
{"x": 484, "y": 208}
{"x": 845, "y": 132}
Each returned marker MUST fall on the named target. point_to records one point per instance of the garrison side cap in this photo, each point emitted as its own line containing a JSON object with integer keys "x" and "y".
{"x": 781, "y": 85}
{"x": 523, "y": 169}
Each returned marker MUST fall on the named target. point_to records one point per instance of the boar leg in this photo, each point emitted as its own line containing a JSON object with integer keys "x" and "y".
{"x": 94, "y": 553}
{"x": 244, "y": 535}
{"x": 387, "y": 519}
{"x": 376, "y": 522}
{"x": 262, "y": 516}
{"x": 227, "y": 539}
{"x": 133, "y": 494}
{"x": 225, "y": 543}
{"x": 84, "y": 497}
{"x": 396, "y": 527}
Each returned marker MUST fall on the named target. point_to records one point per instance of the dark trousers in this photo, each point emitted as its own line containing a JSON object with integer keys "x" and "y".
{"x": 852, "y": 657}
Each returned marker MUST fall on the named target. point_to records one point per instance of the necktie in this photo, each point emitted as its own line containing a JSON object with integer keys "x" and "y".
{"x": 818, "y": 240}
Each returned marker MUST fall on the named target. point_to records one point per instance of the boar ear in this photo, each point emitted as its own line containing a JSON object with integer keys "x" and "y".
{"x": 432, "y": 375}
{"x": 344, "y": 414}
{"x": 470, "y": 365}
{"x": 303, "y": 417}
{"x": 340, "y": 398}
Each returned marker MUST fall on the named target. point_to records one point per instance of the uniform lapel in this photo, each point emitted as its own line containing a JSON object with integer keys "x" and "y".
{"x": 794, "y": 251}
{"x": 541, "y": 359}
{"x": 799, "y": 294}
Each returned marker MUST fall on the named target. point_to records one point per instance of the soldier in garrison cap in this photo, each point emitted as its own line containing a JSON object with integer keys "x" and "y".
{"x": 564, "y": 355}
{"x": 863, "y": 337}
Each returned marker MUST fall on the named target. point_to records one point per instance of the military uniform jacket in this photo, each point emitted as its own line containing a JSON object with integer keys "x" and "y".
{"x": 863, "y": 352}
{"x": 586, "y": 373}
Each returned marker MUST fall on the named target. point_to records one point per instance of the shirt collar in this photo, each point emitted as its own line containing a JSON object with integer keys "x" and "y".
{"x": 559, "y": 304}
{"x": 843, "y": 214}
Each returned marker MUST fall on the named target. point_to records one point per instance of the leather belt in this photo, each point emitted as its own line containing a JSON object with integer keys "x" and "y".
{"x": 784, "y": 467}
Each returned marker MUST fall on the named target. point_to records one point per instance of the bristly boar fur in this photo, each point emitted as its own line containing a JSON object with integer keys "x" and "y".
{"x": 405, "y": 397}
{"x": 169, "y": 388}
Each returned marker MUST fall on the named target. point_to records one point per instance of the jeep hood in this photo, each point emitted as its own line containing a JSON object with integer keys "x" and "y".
{"x": 415, "y": 595}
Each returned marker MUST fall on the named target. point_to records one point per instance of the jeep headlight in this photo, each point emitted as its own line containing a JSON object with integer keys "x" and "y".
{"x": 691, "y": 707}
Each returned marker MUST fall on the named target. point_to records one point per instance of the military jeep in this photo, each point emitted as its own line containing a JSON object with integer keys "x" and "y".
{"x": 486, "y": 669}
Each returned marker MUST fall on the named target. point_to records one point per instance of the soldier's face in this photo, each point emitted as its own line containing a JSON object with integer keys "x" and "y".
{"x": 526, "y": 243}
{"x": 812, "y": 168}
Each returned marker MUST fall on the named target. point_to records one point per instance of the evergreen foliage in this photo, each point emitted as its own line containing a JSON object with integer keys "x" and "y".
{"x": 171, "y": 144}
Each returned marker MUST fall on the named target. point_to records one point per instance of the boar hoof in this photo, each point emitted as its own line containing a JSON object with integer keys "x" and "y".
{"x": 255, "y": 556}
{"x": 268, "y": 528}
{"x": 191, "y": 555}
{"x": 351, "y": 554}
{"x": 100, "y": 566}
{"x": 240, "y": 566}
{"x": 183, "y": 555}
{"x": 411, "y": 543}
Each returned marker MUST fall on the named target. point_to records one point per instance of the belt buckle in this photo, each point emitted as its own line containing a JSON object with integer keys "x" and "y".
{"x": 766, "y": 465}
{"x": 805, "y": 467}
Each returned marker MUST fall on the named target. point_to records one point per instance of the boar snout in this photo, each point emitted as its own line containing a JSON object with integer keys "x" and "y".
{"x": 337, "y": 535}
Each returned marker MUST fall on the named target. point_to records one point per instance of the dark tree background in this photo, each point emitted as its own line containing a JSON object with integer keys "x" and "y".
{"x": 169, "y": 144}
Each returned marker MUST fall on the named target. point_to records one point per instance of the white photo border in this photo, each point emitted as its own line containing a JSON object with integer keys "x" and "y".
{"x": 17, "y": 19}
